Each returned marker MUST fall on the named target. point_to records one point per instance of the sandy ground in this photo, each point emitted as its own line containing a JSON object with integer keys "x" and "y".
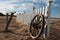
{"x": 21, "y": 31}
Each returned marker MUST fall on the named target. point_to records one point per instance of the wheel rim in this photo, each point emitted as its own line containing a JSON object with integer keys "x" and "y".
{"x": 36, "y": 26}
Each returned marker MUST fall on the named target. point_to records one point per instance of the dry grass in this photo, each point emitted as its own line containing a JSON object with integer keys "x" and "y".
{"x": 20, "y": 31}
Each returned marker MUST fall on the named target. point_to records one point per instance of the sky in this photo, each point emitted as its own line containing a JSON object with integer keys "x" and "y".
{"x": 26, "y": 5}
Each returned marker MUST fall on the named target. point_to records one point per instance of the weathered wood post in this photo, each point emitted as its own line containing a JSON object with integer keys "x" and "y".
{"x": 48, "y": 16}
{"x": 43, "y": 10}
{"x": 7, "y": 16}
{"x": 8, "y": 21}
{"x": 37, "y": 11}
{"x": 40, "y": 11}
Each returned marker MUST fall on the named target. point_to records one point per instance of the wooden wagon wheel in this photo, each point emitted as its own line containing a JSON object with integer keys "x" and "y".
{"x": 36, "y": 26}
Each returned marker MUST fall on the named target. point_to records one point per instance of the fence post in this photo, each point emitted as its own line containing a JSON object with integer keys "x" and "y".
{"x": 40, "y": 11}
{"x": 8, "y": 21}
{"x": 48, "y": 19}
{"x": 43, "y": 10}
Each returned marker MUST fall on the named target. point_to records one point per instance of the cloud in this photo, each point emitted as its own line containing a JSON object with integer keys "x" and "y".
{"x": 39, "y": 1}
{"x": 7, "y": 6}
{"x": 56, "y": 5}
{"x": 42, "y": 1}
{"x": 24, "y": 7}
{"x": 15, "y": 1}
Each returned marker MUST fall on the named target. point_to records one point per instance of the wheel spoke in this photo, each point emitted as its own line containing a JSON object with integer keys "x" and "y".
{"x": 36, "y": 19}
{"x": 34, "y": 32}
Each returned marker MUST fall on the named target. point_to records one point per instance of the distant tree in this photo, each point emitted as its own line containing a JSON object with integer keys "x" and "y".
{"x": 1, "y": 14}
